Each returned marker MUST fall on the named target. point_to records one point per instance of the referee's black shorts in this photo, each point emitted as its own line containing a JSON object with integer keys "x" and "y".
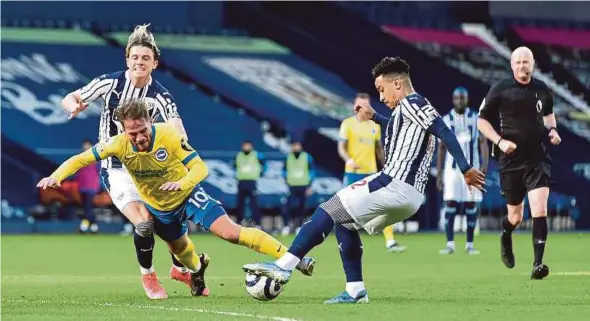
{"x": 516, "y": 180}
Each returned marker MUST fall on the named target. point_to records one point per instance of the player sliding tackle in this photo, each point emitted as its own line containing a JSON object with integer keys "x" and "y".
{"x": 168, "y": 173}
{"x": 386, "y": 197}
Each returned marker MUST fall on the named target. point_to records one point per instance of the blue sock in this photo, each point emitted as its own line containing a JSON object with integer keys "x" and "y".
{"x": 351, "y": 252}
{"x": 450, "y": 212}
{"x": 312, "y": 233}
{"x": 471, "y": 216}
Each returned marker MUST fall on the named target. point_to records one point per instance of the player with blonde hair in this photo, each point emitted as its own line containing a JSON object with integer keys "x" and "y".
{"x": 142, "y": 56}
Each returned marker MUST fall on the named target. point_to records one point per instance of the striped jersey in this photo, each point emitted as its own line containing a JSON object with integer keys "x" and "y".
{"x": 464, "y": 126}
{"x": 116, "y": 88}
{"x": 408, "y": 145}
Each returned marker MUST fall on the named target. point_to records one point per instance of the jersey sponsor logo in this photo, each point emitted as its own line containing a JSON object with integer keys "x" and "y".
{"x": 184, "y": 144}
{"x": 161, "y": 154}
{"x": 539, "y": 106}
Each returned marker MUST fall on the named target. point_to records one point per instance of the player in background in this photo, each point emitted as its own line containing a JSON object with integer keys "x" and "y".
{"x": 457, "y": 197}
{"x": 142, "y": 55}
{"x": 360, "y": 148}
{"x": 386, "y": 197}
{"x": 167, "y": 172}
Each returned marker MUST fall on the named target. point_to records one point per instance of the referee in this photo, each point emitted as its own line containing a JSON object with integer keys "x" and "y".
{"x": 525, "y": 108}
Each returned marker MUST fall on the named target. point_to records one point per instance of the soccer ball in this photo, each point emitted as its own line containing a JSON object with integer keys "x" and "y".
{"x": 262, "y": 288}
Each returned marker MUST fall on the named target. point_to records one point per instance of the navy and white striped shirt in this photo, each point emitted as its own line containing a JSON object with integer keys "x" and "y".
{"x": 409, "y": 147}
{"x": 116, "y": 88}
{"x": 464, "y": 126}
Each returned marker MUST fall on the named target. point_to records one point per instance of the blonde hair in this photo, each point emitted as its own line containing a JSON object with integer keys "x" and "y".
{"x": 141, "y": 36}
{"x": 132, "y": 110}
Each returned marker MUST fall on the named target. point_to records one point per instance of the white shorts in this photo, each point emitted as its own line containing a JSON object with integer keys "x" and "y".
{"x": 455, "y": 188}
{"x": 379, "y": 201}
{"x": 120, "y": 186}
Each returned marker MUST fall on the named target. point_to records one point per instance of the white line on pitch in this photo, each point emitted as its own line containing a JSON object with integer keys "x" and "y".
{"x": 137, "y": 306}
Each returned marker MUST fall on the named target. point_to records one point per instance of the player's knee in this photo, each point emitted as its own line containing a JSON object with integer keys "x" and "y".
{"x": 538, "y": 210}
{"x": 145, "y": 228}
{"x": 136, "y": 212}
{"x": 450, "y": 209}
{"x": 471, "y": 209}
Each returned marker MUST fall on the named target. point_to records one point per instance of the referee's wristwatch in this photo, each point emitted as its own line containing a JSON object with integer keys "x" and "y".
{"x": 553, "y": 128}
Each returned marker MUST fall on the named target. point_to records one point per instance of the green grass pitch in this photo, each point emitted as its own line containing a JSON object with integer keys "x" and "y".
{"x": 96, "y": 277}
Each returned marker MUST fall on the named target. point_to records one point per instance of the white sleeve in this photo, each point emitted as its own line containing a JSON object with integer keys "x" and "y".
{"x": 98, "y": 87}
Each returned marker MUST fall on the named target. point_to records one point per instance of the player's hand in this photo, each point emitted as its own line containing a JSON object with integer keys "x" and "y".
{"x": 440, "y": 184}
{"x": 554, "y": 137}
{"x": 506, "y": 146}
{"x": 308, "y": 191}
{"x": 170, "y": 186}
{"x": 350, "y": 163}
{"x": 364, "y": 111}
{"x": 475, "y": 178}
{"x": 48, "y": 182}
{"x": 78, "y": 109}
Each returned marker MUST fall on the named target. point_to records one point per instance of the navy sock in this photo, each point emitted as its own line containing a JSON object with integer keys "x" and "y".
{"x": 450, "y": 212}
{"x": 471, "y": 214}
{"x": 351, "y": 252}
{"x": 144, "y": 247}
{"x": 540, "y": 232}
{"x": 176, "y": 262}
{"x": 312, "y": 233}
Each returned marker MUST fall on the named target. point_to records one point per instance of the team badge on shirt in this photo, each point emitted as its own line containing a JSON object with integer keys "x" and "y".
{"x": 161, "y": 154}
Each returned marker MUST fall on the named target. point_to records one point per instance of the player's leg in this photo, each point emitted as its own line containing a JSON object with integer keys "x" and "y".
{"x": 471, "y": 210}
{"x": 351, "y": 253}
{"x": 174, "y": 232}
{"x": 450, "y": 210}
{"x": 255, "y": 239}
{"x": 143, "y": 240}
{"x": 371, "y": 204}
{"x": 126, "y": 198}
{"x": 390, "y": 243}
{"x": 88, "y": 223}
{"x": 208, "y": 213}
{"x": 241, "y": 206}
{"x": 288, "y": 218}
{"x": 254, "y": 209}
{"x": 299, "y": 211}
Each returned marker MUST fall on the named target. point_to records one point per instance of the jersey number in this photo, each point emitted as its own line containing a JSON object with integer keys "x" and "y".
{"x": 426, "y": 113}
{"x": 200, "y": 199}
{"x": 358, "y": 184}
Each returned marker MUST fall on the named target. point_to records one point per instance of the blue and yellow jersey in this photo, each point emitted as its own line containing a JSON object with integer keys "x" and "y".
{"x": 361, "y": 139}
{"x": 169, "y": 159}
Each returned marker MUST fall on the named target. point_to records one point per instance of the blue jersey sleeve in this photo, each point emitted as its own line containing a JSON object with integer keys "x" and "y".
{"x": 380, "y": 119}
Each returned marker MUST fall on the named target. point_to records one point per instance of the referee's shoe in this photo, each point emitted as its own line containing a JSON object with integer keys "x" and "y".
{"x": 539, "y": 272}
{"x": 506, "y": 252}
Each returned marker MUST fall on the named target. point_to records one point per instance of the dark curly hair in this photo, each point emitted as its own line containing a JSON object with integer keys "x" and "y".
{"x": 389, "y": 65}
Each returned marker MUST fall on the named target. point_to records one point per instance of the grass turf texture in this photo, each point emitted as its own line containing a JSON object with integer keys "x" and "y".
{"x": 97, "y": 278}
